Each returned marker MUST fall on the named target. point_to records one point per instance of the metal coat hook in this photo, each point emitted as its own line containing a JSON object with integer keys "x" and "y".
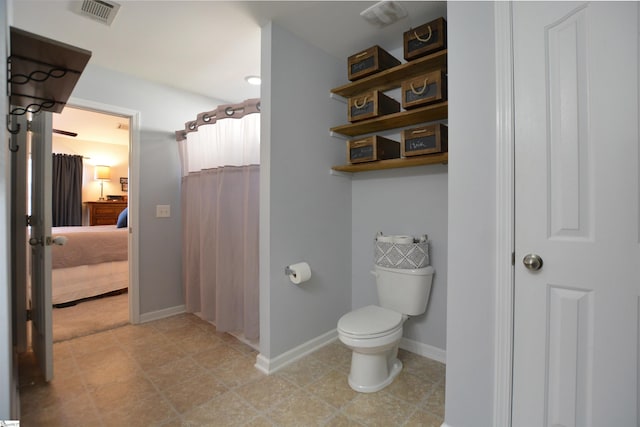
{"x": 12, "y": 131}
{"x": 12, "y": 148}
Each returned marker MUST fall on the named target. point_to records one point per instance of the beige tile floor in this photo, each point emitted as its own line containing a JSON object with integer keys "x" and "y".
{"x": 180, "y": 372}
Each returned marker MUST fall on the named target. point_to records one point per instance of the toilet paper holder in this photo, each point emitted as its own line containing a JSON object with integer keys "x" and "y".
{"x": 288, "y": 271}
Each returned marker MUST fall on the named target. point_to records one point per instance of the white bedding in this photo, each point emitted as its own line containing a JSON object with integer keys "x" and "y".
{"x": 92, "y": 262}
{"x": 74, "y": 283}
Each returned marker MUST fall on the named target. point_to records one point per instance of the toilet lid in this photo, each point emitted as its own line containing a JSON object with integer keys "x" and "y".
{"x": 369, "y": 321}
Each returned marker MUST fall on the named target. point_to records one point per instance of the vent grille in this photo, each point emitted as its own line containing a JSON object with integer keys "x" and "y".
{"x": 99, "y": 10}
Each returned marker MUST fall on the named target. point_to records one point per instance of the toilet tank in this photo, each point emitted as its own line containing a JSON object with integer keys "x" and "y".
{"x": 403, "y": 290}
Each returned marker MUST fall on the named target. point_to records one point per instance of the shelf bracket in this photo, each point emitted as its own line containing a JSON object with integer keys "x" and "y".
{"x": 34, "y": 107}
{"x": 338, "y": 97}
{"x": 39, "y": 76}
{"x": 337, "y": 135}
{"x": 340, "y": 173}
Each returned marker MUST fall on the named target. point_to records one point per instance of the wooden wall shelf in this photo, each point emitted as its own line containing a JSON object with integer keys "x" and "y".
{"x": 395, "y": 163}
{"x": 429, "y": 113}
{"x": 393, "y": 77}
{"x": 42, "y": 72}
{"x": 384, "y": 81}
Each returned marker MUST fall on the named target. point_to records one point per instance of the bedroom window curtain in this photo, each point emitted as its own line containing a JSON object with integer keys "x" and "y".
{"x": 67, "y": 190}
{"x": 220, "y": 166}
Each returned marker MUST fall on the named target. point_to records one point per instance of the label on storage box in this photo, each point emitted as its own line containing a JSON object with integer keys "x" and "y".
{"x": 422, "y": 143}
{"x": 417, "y": 94}
{"x": 365, "y": 109}
{"x": 362, "y": 65}
{"x": 364, "y": 152}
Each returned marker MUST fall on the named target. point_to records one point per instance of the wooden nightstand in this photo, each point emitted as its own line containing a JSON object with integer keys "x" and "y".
{"x": 104, "y": 213}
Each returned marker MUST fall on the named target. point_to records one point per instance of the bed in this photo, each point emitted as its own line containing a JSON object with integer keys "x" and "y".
{"x": 93, "y": 261}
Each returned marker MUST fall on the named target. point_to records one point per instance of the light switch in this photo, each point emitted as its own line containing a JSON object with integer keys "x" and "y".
{"x": 163, "y": 211}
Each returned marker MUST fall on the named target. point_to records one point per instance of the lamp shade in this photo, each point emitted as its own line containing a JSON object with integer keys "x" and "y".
{"x": 103, "y": 173}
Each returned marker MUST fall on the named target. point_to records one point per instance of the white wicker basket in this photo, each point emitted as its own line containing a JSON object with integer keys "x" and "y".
{"x": 401, "y": 255}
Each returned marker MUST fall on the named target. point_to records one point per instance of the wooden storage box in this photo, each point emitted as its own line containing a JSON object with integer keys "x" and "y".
{"x": 430, "y": 139}
{"x": 370, "y": 61}
{"x": 372, "y": 148}
{"x": 425, "y": 39}
{"x": 424, "y": 89}
{"x": 371, "y": 104}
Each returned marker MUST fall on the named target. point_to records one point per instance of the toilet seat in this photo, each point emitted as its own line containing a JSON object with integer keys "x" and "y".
{"x": 369, "y": 322}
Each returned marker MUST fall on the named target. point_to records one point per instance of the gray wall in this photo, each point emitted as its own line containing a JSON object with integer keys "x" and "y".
{"x": 403, "y": 201}
{"x": 472, "y": 213}
{"x": 6, "y": 343}
{"x": 410, "y": 201}
{"x": 305, "y": 211}
{"x": 162, "y": 111}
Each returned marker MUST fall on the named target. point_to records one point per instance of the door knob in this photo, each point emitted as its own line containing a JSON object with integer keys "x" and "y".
{"x": 533, "y": 262}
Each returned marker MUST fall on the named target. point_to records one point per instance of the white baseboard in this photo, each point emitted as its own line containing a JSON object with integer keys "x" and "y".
{"x": 269, "y": 366}
{"x": 161, "y": 314}
{"x": 424, "y": 350}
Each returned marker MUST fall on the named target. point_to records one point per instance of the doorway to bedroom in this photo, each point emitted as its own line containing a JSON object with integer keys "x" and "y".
{"x": 90, "y": 193}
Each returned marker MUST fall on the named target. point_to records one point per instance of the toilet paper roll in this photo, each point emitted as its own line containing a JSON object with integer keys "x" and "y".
{"x": 403, "y": 239}
{"x": 300, "y": 272}
{"x": 384, "y": 239}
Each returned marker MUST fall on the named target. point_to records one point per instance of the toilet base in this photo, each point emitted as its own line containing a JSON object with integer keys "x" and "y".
{"x": 373, "y": 372}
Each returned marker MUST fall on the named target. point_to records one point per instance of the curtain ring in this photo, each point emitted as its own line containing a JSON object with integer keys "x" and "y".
{"x": 415, "y": 33}
{"x": 192, "y": 126}
{"x": 364, "y": 102}
{"x": 229, "y": 111}
{"x": 206, "y": 118}
{"x": 421, "y": 91}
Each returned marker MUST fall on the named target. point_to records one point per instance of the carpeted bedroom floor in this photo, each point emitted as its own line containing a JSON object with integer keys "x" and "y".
{"x": 90, "y": 316}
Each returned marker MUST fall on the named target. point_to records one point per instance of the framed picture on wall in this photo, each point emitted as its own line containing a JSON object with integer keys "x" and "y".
{"x": 124, "y": 184}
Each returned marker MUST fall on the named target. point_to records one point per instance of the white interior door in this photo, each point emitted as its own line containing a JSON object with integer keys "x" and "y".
{"x": 576, "y": 120}
{"x": 39, "y": 140}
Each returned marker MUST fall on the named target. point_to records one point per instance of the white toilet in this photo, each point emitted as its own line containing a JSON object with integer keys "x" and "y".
{"x": 374, "y": 332}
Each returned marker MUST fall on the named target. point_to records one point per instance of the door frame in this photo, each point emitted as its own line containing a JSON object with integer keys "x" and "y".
{"x": 133, "y": 197}
{"x": 505, "y": 215}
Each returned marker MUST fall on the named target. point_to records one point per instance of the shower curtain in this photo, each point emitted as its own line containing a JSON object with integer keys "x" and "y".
{"x": 220, "y": 154}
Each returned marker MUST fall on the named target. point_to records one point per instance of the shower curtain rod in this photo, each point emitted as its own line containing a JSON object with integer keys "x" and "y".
{"x": 225, "y": 111}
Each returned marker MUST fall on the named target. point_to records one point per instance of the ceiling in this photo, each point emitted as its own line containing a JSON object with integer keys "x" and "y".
{"x": 209, "y": 47}
{"x": 92, "y": 126}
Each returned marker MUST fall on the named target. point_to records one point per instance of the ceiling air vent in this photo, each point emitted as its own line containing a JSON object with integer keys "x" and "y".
{"x": 100, "y": 10}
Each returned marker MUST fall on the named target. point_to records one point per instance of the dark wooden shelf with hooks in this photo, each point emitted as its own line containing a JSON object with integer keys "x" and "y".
{"x": 42, "y": 72}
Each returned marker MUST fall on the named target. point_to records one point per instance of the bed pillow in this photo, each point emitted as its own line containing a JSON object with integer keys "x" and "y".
{"x": 122, "y": 218}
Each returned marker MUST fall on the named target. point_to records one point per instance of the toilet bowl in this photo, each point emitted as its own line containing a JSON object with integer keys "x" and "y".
{"x": 373, "y": 333}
